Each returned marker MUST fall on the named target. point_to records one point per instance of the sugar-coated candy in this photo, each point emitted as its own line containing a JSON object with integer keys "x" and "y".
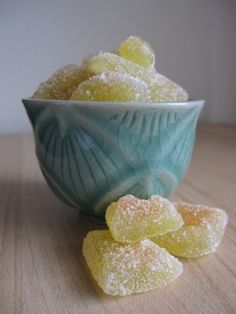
{"x": 138, "y": 51}
{"x": 112, "y": 86}
{"x": 61, "y": 84}
{"x": 131, "y": 219}
{"x": 123, "y": 269}
{"x": 161, "y": 88}
{"x": 201, "y": 233}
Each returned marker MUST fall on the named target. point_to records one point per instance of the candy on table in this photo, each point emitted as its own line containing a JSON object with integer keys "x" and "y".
{"x": 161, "y": 88}
{"x": 201, "y": 233}
{"x": 131, "y": 219}
{"x": 123, "y": 269}
{"x": 112, "y": 86}
{"x": 138, "y": 51}
{"x": 61, "y": 84}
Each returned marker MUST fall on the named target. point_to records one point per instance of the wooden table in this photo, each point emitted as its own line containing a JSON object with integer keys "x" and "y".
{"x": 42, "y": 269}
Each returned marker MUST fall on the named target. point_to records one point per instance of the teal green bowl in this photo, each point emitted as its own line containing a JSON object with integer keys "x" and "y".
{"x": 92, "y": 153}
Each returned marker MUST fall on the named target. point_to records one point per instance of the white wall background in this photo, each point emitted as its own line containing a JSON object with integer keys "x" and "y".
{"x": 195, "y": 43}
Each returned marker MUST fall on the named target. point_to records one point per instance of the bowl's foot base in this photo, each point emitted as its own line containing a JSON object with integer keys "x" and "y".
{"x": 93, "y": 219}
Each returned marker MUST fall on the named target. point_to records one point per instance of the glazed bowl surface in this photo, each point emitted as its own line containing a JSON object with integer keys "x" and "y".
{"x": 92, "y": 153}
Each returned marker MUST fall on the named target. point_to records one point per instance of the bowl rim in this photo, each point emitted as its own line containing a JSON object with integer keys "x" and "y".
{"x": 112, "y": 105}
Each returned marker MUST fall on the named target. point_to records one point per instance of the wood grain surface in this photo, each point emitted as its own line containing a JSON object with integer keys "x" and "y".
{"x": 42, "y": 269}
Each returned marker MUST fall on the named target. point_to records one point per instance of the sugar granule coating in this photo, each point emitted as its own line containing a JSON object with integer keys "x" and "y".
{"x": 123, "y": 269}
{"x": 201, "y": 233}
{"x": 131, "y": 219}
{"x": 62, "y": 83}
{"x": 137, "y": 50}
{"x": 112, "y": 86}
{"x": 161, "y": 88}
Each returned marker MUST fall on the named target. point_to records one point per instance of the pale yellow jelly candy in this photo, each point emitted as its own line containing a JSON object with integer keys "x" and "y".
{"x": 201, "y": 233}
{"x": 62, "y": 83}
{"x": 112, "y": 86}
{"x": 138, "y": 51}
{"x": 123, "y": 269}
{"x": 161, "y": 88}
{"x": 131, "y": 219}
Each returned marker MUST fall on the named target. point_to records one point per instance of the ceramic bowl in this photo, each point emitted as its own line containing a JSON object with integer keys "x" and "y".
{"x": 92, "y": 153}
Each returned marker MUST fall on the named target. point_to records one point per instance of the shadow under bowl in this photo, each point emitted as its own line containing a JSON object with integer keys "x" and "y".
{"x": 92, "y": 153}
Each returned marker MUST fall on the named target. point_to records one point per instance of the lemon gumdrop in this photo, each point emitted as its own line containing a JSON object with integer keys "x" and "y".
{"x": 113, "y": 87}
{"x": 161, "y": 88}
{"x": 61, "y": 84}
{"x": 201, "y": 233}
{"x": 123, "y": 269}
{"x": 138, "y": 51}
{"x": 132, "y": 219}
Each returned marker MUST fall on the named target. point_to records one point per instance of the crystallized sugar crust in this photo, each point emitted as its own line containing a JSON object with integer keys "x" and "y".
{"x": 136, "y": 79}
{"x": 201, "y": 233}
{"x": 131, "y": 219}
{"x": 138, "y": 51}
{"x": 140, "y": 266}
{"x": 123, "y": 269}
{"x": 61, "y": 84}
{"x": 112, "y": 86}
{"x": 161, "y": 88}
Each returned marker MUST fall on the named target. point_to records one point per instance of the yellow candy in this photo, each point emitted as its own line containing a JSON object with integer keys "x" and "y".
{"x": 62, "y": 83}
{"x": 201, "y": 233}
{"x": 123, "y": 269}
{"x": 138, "y": 51}
{"x": 161, "y": 88}
{"x": 131, "y": 219}
{"x": 112, "y": 86}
